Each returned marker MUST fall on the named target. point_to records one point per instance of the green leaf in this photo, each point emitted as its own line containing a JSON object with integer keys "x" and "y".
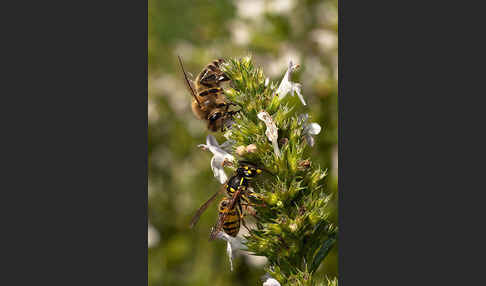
{"x": 323, "y": 252}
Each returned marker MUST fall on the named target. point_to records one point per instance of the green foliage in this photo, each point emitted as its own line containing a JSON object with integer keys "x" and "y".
{"x": 294, "y": 232}
{"x": 180, "y": 178}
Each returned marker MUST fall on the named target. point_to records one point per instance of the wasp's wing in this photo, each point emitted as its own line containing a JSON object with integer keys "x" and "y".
{"x": 219, "y": 226}
{"x": 222, "y": 217}
{"x": 236, "y": 196}
{"x": 191, "y": 89}
{"x": 195, "y": 218}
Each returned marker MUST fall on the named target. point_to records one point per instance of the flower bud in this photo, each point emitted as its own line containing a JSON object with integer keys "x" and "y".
{"x": 240, "y": 150}
{"x": 276, "y": 228}
{"x": 272, "y": 199}
{"x": 314, "y": 218}
{"x": 251, "y": 148}
{"x": 263, "y": 246}
{"x": 304, "y": 164}
{"x": 293, "y": 226}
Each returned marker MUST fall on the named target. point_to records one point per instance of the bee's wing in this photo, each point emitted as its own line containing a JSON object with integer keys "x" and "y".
{"x": 204, "y": 206}
{"x": 191, "y": 89}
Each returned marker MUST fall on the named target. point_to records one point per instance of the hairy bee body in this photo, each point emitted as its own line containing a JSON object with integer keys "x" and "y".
{"x": 209, "y": 102}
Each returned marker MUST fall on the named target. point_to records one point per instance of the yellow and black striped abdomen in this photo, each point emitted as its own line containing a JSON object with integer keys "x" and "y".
{"x": 231, "y": 224}
{"x": 230, "y": 217}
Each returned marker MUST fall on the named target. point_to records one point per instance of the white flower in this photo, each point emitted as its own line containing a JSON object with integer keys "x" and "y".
{"x": 271, "y": 132}
{"x": 309, "y": 129}
{"x": 269, "y": 281}
{"x": 153, "y": 236}
{"x": 287, "y": 86}
{"x": 220, "y": 156}
{"x": 232, "y": 244}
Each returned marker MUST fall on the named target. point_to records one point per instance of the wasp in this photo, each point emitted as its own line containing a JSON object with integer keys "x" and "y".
{"x": 209, "y": 102}
{"x": 230, "y": 207}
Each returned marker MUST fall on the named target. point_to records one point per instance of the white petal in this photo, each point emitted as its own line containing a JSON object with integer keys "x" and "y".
{"x": 310, "y": 140}
{"x": 211, "y": 141}
{"x": 226, "y": 146}
{"x": 203, "y": 146}
{"x": 286, "y": 86}
{"x": 229, "y": 251}
{"x": 314, "y": 128}
{"x": 153, "y": 236}
{"x": 217, "y": 167}
{"x": 271, "y": 132}
{"x": 271, "y": 282}
{"x": 232, "y": 244}
{"x": 236, "y": 242}
{"x": 297, "y": 88}
{"x": 219, "y": 152}
{"x": 219, "y": 156}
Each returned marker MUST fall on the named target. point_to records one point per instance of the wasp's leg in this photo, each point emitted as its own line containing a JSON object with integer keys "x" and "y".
{"x": 248, "y": 210}
{"x": 256, "y": 196}
{"x": 242, "y": 215}
{"x": 244, "y": 224}
{"x": 249, "y": 203}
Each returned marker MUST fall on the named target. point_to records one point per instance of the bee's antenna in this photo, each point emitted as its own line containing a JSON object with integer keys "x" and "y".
{"x": 187, "y": 81}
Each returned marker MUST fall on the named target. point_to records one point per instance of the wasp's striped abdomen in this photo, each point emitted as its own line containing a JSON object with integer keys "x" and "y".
{"x": 231, "y": 223}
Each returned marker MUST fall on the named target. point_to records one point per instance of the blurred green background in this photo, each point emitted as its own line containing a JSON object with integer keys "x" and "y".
{"x": 180, "y": 178}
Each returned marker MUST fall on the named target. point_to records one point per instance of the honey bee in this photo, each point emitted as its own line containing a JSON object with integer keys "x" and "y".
{"x": 230, "y": 206}
{"x": 209, "y": 102}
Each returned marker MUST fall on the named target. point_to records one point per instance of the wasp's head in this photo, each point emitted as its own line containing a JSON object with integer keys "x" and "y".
{"x": 248, "y": 170}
